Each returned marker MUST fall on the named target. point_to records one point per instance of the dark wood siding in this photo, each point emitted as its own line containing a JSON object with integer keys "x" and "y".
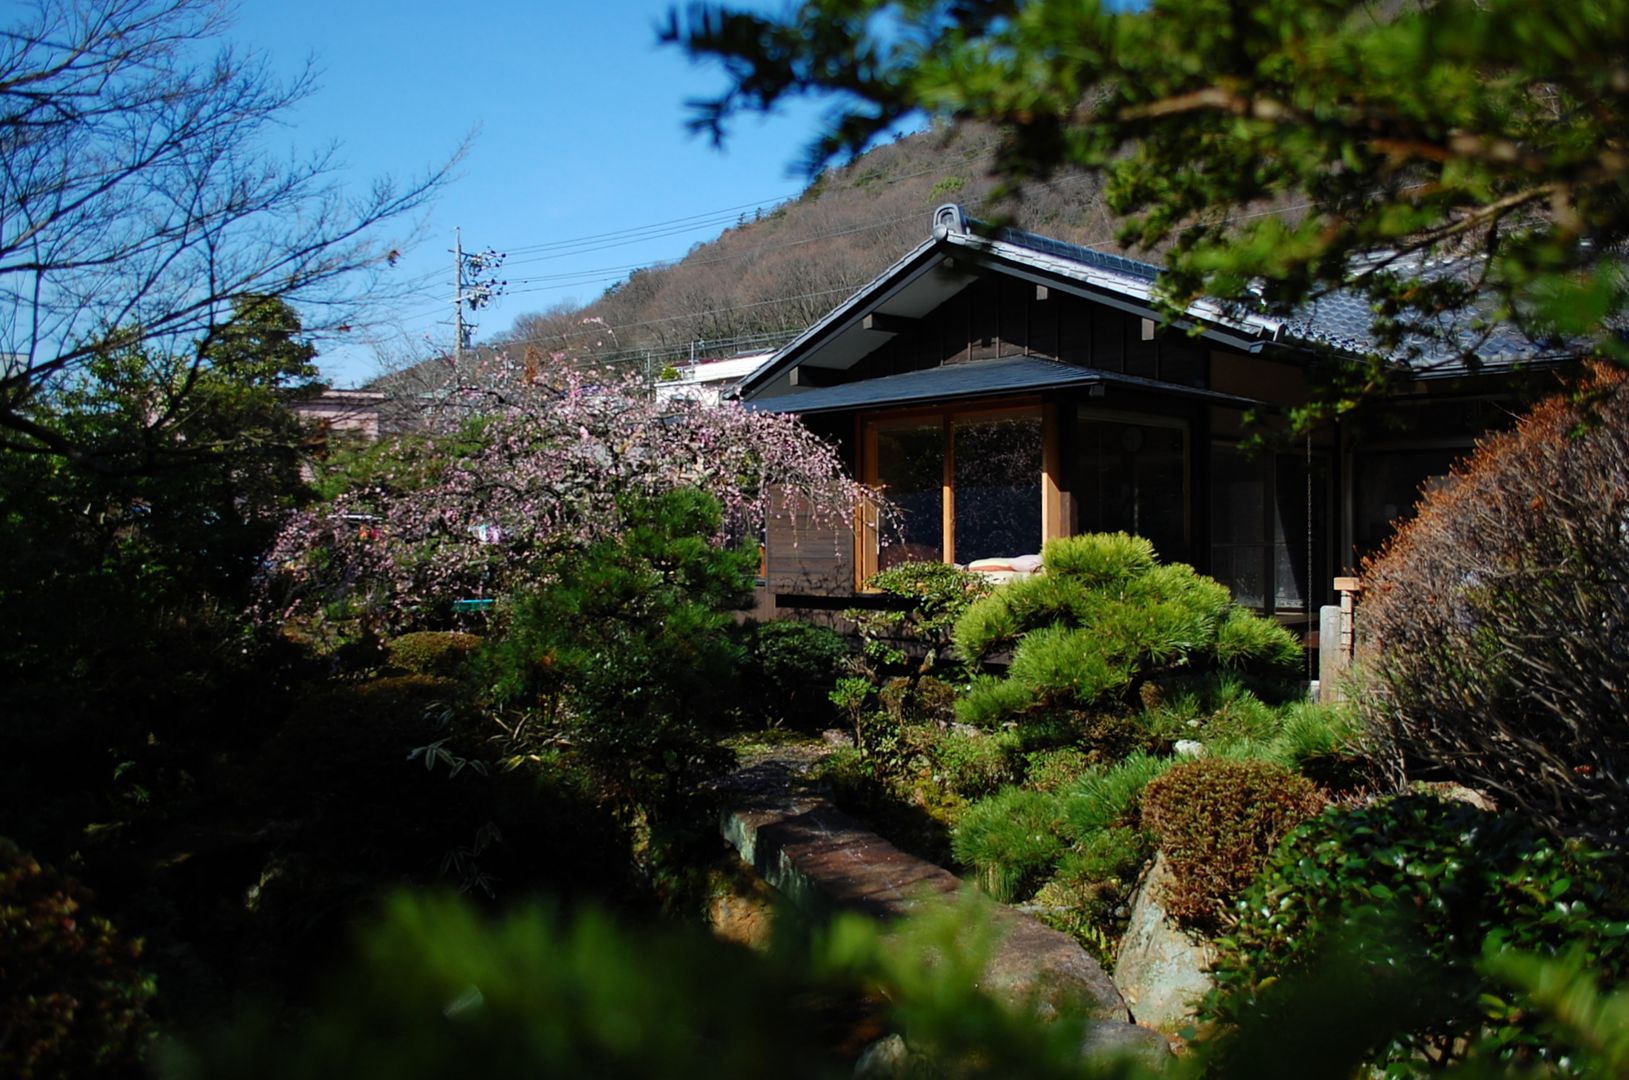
{"x": 805, "y": 556}
{"x": 1001, "y": 316}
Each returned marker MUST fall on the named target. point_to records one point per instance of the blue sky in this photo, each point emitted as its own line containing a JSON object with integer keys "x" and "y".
{"x": 578, "y": 123}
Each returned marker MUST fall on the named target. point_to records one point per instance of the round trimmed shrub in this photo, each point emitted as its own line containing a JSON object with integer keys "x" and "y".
{"x": 1104, "y": 620}
{"x": 1218, "y": 820}
{"x": 72, "y": 997}
{"x": 1495, "y": 624}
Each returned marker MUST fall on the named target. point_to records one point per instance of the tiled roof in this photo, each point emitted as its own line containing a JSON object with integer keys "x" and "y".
{"x": 978, "y": 378}
{"x": 1341, "y": 321}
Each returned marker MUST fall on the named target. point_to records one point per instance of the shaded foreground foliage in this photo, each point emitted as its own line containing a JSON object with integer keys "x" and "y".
{"x": 437, "y": 989}
{"x": 1418, "y": 902}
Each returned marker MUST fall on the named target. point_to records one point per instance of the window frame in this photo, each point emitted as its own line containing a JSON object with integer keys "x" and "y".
{"x": 1089, "y": 414}
{"x": 867, "y": 425}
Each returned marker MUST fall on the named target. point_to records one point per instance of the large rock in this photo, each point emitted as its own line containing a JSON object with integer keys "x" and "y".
{"x": 1162, "y": 970}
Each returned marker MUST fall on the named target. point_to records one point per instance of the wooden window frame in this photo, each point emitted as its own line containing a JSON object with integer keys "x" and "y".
{"x": 866, "y": 426}
{"x": 1087, "y": 414}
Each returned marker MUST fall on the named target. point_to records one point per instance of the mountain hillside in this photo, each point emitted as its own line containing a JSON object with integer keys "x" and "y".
{"x": 761, "y": 282}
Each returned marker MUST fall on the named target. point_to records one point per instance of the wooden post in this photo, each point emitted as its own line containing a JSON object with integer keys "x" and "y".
{"x": 1337, "y": 640}
{"x": 1348, "y": 587}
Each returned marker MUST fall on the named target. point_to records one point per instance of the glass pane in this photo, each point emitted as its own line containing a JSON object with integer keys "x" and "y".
{"x": 1133, "y": 478}
{"x": 1240, "y": 569}
{"x": 1237, "y": 498}
{"x": 997, "y": 488}
{"x": 1388, "y": 485}
{"x": 911, "y": 471}
{"x": 1295, "y": 535}
{"x": 1238, "y": 501}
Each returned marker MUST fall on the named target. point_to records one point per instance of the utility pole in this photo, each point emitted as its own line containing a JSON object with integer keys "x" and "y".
{"x": 473, "y": 284}
{"x": 458, "y": 299}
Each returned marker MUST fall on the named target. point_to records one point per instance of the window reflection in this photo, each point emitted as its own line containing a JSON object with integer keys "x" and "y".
{"x": 997, "y": 487}
{"x": 1133, "y": 477}
{"x": 910, "y": 468}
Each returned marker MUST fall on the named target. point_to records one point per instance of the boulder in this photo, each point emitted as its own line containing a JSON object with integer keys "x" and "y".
{"x": 1162, "y": 970}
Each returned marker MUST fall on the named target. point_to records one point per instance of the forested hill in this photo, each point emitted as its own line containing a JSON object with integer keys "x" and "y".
{"x": 762, "y": 281}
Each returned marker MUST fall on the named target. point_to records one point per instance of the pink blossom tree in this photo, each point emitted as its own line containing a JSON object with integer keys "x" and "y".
{"x": 526, "y": 463}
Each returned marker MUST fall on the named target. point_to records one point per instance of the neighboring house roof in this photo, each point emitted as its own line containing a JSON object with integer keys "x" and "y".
{"x": 709, "y": 380}
{"x": 948, "y": 261}
{"x": 343, "y": 410}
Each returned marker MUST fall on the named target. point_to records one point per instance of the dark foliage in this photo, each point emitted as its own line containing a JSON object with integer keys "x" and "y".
{"x": 790, "y": 670}
{"x": 1408, "y": 897}
{"x": 626, "y": 655}
{"x": 432, "y": 652}
{"x": 73, "y": 995}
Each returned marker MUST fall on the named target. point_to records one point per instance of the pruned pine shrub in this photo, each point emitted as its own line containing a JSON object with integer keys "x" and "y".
{"x": 1413, "y": 899}
{"x": 1109, "y": 796}
{"x": 1012, "y": 840}
{"x": 73, "y": 997}
{"x": 1496, "y": 623}
{"x": 432, "y": 652}
{"x": 1217, "y": 821}
{"x": 1103, "y": 619}
{"x": 1018, "y": 838}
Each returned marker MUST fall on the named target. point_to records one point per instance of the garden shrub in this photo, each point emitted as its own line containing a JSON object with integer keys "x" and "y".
{"x": 973, "y": 764}
{"x": 73, "y": 997}
{"x": 906, "y": 672}
{"x": 1495, "y": 624}
{"x": 628, "y": 653}
{"x": 1012, "y": 840}
{"x": 916, "y": 635}
{"x": 432, "y": 652}
{"x": 1102, "y": 621}
{"x": 1428, "y": 889}
{"x": 1055, "y": 768}
{"x": 1109, "y": 796}
{"x": 1217, "y": 821}
{"x": 791, "y": 668}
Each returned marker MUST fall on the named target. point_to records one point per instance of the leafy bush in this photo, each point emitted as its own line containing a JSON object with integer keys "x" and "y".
{"x": 72, "y": 996}
{"x": 1101, "y": 622}
{"x": 973, "y": 764}
{"x": 918, "y": 632}
{"x": 791, "y": 668}
{"x": 1496, "y": 623}
{"x": 432, "y": 652}
{"x": 1217, "y": 822}
{"x": 439, "y": 990}
{"x": 906, "y": 670}
{"x": 1054, "y": 769}
{"x": 1109, "y": 796}
{"x": 1415, "y": 891}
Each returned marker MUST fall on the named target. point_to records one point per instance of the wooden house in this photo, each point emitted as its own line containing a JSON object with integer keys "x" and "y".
{"x": 1005, "y": 388}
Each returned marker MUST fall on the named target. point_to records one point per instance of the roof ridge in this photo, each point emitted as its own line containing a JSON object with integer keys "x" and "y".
{"x": 1047, "y": 245}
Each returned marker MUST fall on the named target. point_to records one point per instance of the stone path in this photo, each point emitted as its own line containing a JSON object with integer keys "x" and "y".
{"x": 823, "y": 860}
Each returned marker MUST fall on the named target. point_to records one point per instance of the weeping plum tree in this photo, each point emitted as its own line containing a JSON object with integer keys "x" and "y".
{"x": 535, "y": 463}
